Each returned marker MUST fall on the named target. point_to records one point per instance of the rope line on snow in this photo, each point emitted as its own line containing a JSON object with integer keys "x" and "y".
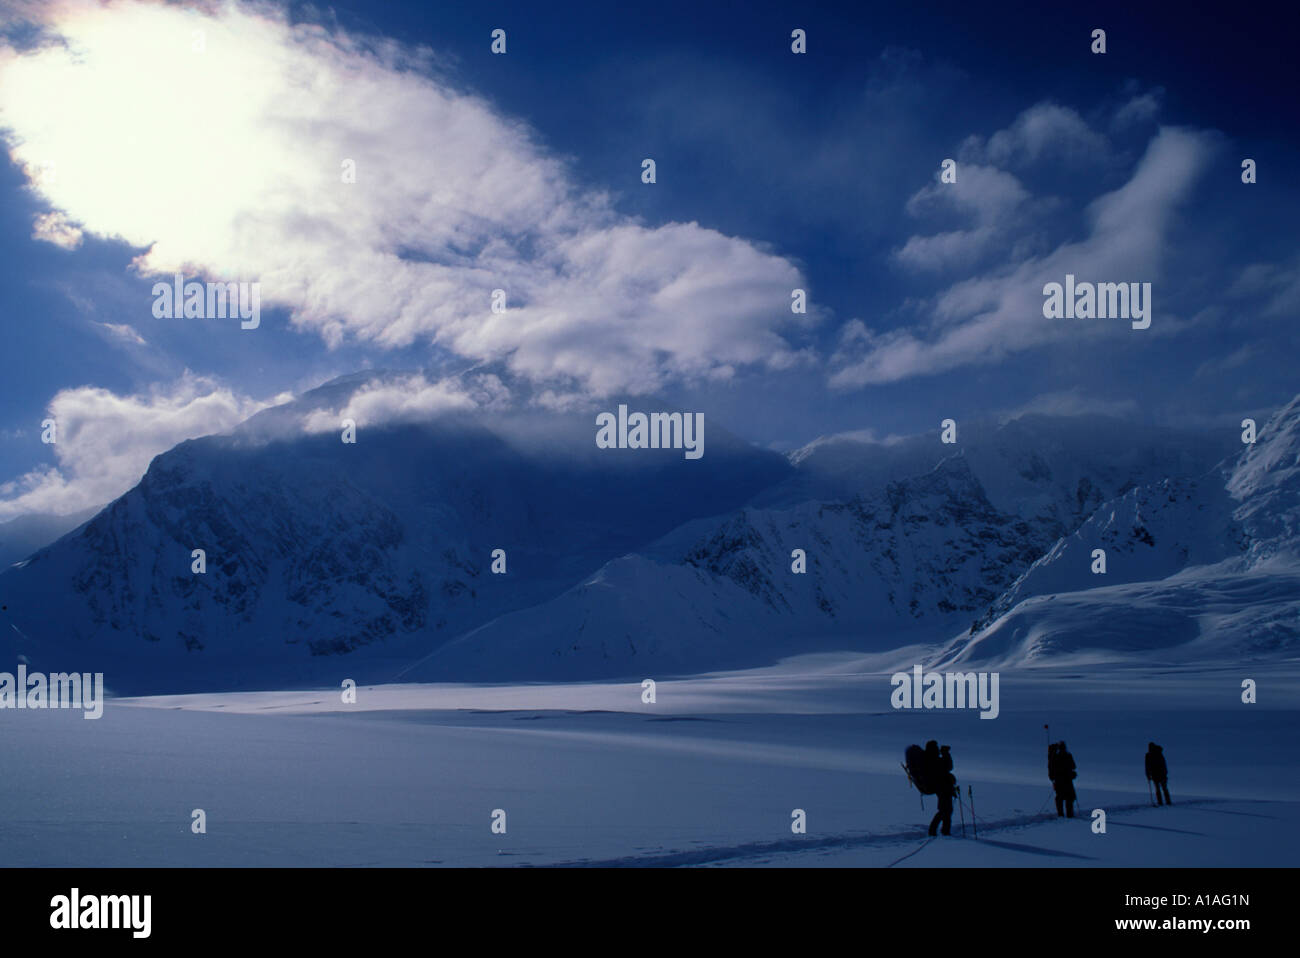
{"x": 910, "y": 854}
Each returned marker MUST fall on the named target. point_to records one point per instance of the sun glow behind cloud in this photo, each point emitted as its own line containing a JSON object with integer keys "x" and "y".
{"x": 214, "y": 139}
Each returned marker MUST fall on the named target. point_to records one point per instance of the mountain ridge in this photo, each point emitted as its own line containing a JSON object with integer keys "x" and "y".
{"x": 376, "y": 557}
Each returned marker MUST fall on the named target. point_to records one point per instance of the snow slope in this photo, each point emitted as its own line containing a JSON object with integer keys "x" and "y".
{"x": 929, "y": 550}
{"x": 1265, "y": 482}
{"x": 1195, "y": 568}
{"x": 377, "y": 551}
{"x": 936, "y": 554}
{"x": 1056, "y": 469}
{"x": 707, "y": 775}
{"x": 373, "y": 559}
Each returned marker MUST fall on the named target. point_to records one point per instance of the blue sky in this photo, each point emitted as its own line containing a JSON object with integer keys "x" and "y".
{"x": 522, "y": 171}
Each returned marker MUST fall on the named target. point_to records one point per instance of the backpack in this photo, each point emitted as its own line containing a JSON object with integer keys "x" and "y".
{"x": 918, "y": 769}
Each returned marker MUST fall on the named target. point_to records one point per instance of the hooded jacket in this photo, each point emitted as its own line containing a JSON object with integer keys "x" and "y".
{"x": 1157, "y": 770}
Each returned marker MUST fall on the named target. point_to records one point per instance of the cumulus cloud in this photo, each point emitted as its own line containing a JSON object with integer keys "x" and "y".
{"x": 1141, "y": 108}
{"x": 411, "y": 398}
{"x": 217, "y": 140}
{"x": 1044, "y": 131}
{"x": 105, "y": 441}
{"x": 989, "y": 197}
{"x": 57, "y": 229}
{"x": 987, "y": 317}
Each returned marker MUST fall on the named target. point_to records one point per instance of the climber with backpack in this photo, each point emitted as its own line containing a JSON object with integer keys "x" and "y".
{"x": 1061, "y": 771}
{"x": 930, "y": 770}
{"x": 1158, "y": 772}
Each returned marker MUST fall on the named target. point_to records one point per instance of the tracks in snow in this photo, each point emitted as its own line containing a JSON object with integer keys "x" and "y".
{"x": 725, "y": 853}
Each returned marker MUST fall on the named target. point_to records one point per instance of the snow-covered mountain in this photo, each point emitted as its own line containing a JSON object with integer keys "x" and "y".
{"x": 1196, "y": 569}
{"x": 1150, "y": 532}
{"x": 909, "y": 559}
{"x": 374, "y": 559}
{"x": 1057, "y": 469}
{"x": 929, "y": 549}
{"x": 1265, "y": 484}
{"x": 380, "y": 549}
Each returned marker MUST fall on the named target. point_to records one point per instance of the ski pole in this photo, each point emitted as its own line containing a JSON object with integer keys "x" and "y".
{"x": 1046, "y": 801}
{"x": 974, "y": 822}
{"x": 962, "y": 811}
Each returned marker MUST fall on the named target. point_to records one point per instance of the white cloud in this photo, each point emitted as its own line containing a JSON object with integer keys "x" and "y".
{"x": 1277, "y": 284}
{"x": 1044, "y": 131}
{"x": 1071, "y": 402}
{"x": 228, "y": 160}
{"x": 866, "y": 437}
{"x": 986, "y": 318}
{"x": 1140, "y": 109}
{"x": 411, "y": 398}
{"x": 990, "y": 197}
{"x": 105, "y": 441}
{"x": 123, "y": 332}
{"x": 57, "y": 229}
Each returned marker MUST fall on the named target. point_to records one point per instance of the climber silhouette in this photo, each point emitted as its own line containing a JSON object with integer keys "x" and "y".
{"x": 938, "y": 763}
{"x": 1158, "y": 772}
{"x": 1060, "y": 769}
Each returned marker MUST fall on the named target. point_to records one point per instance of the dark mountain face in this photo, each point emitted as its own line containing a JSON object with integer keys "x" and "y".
{"x": 380, "y": 549}
{"x": 1011, "y": 518}
{"x": 326, "y": 560}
